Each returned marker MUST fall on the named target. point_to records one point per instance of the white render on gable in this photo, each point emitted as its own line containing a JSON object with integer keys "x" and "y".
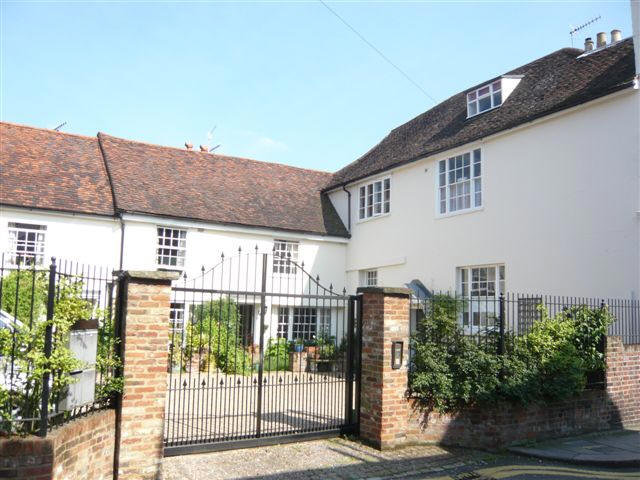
{"x": 560, "y": 210}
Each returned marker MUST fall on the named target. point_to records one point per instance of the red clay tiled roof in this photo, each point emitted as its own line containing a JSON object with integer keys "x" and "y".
{"x": 52, "y": 170}
{"x": 173, "y": 182}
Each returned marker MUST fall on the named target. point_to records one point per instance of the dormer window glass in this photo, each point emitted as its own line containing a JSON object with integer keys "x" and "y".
{"x": 484, "y": 98}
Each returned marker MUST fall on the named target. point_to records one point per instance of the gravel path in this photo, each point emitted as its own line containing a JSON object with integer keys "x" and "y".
{"x": 320, "y": 459}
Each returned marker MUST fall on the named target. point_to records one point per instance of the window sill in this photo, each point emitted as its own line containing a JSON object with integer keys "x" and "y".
{"x": 365, "y": 220}
{"x": 440, "y": 216}
{"x": 166, "y": 268}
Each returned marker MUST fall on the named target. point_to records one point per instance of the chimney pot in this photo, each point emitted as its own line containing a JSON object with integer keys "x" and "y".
{"x": 601, "y": 39}
{"x": 188, "y": 145}
{"x": 204, "y": 148}
{"x": 588, "y": 44}
{"x": 616, "y": 35}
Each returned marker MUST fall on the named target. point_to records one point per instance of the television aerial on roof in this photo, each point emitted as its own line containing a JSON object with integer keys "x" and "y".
{"x": 210, "y": 137}
{"x": 575, "y": 30}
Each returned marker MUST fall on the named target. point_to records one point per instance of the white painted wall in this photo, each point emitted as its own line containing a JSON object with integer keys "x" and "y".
{"x": 560, "y": 210}
{"x": 81, "y": 238}
{"x": 96, "y": 240}
{"x": 322, "y": 256}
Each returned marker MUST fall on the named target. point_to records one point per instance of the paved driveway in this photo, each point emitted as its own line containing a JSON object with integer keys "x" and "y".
{"x": 343, "y": 459}
{"x": 320, "y": 459}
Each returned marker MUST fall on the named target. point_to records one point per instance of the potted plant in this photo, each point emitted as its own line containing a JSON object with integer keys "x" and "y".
{"x": 298, "y": 345}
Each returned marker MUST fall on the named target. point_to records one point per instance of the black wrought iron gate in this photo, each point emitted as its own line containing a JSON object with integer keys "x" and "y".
{"x": 259, "y": 352}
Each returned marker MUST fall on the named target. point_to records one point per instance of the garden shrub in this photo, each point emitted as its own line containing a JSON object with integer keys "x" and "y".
{"x": 276, "y": 356}
{"x": 213, "y": 338}
{"x": 26, "y": 344}
{"x": 450, "y": 370}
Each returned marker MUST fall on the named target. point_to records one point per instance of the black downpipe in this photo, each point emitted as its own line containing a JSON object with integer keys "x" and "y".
{"x": 121, "y": 241}
{"x": 348, "y": 208}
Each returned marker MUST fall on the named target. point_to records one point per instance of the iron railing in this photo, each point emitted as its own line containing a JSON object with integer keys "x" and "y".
{"x": 57, "y": 343}
{"x": 485, "y": 318}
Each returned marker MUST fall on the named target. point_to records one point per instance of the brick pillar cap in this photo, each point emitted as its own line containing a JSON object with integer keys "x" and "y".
{"x": 149, "y": 276}
{"x": 392, "y": 291}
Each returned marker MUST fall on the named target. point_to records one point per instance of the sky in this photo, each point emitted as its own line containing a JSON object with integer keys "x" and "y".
{"x": 284, "y": 82}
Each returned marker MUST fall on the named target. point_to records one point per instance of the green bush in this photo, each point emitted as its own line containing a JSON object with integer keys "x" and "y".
{"x": 451, "y": 371}
{"x": 31, "y": 302}
{"x": 214, "y": 340}
{"x": 545, "y": 363}
{"x": 26, "y": 343}
{"x": 276, "y": 356}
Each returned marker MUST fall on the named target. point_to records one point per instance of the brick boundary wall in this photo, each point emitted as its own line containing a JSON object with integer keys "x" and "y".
{"x": 389, "y": 419}
{"x": 594, "y": 410}
{"x": 82, "y": 448}
{"x": 623, "y": 380}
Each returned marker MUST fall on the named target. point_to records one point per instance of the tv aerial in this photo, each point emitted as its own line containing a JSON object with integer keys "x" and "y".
{"x": 210, "y": 136}
{"x": 575, "y": 30}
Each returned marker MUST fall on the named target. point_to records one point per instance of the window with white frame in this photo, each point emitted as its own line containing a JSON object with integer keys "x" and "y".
{"x": 480, "y": 288}
{"x": 303, "y": 323}
{"x": 172, "y": 247}
{"x": 484, "y": 98}
{"x": 285, "y": 256}
{"x": 460, "y": 182}
{"x": 283, "y": 322}
{"x": 26, "y": 243}
{"x": 324, "y": 321}
{"x": 375, "y": 199}
{"x": 176, "y": 317}
{"x": 371, "y": 278}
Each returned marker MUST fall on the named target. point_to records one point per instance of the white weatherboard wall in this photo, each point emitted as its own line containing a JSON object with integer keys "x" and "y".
{"x": 560, "y": 210}
{"x": 88, "y": 239}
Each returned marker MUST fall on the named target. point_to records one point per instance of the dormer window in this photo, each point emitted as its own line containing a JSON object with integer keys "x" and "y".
{"x": 484, "y": 98}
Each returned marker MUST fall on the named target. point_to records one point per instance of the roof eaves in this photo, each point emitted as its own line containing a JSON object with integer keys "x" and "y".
{"x": 233, "y": 224}
{"x": 57, "y": 210}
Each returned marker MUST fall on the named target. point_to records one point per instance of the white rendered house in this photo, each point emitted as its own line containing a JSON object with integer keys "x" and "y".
{"x": 528, "y": 182}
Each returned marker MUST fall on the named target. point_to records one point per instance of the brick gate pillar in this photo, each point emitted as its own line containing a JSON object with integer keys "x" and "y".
{"x": 144, "y": 303}
{"x": 384, "y": 409}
